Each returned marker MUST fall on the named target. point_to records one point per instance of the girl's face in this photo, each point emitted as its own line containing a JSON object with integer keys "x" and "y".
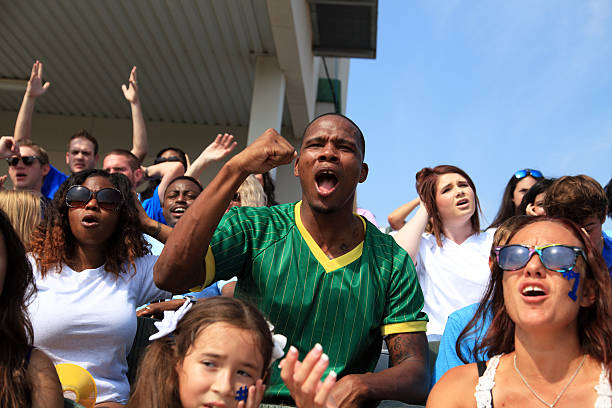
{"x": 537, "y": 208}
{"x": 221, "y": 360}
{"x": 521, "y": 188}
{"x": 91, "y": 224}
{"x": 454, "y": 198}
{"x": 536, "y": 297}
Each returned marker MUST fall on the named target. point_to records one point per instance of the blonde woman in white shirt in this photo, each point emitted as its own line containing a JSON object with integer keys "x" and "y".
{"x": 452, "y": 260}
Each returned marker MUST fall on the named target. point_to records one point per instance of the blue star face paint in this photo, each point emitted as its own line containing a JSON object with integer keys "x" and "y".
{"x": 569, "y": 275}
{"x": 242, "y": 394}
{"x": 555, "y": 257}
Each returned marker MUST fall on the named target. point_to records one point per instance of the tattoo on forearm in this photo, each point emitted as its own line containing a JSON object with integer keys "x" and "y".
{"x": 403, "y": 347}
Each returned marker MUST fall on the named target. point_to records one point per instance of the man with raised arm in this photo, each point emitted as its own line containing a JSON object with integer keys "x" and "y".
{"x": 320, "y": 273}
{"x": 82, "y": 149}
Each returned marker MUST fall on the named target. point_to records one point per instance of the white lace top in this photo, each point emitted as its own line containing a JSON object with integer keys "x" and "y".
{"x": 484, "y": 397}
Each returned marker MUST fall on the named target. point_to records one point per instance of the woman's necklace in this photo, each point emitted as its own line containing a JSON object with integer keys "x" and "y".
{"x": 562, "y": 391}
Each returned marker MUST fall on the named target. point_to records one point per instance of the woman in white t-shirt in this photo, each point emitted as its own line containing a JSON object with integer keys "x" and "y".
{"x": 92, "y": 268}
{"x": 452, "y": 260}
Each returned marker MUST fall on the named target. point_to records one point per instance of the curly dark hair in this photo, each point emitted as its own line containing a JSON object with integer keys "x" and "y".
{"x": 53, "y": 243}
{"x": 16, "y": 334}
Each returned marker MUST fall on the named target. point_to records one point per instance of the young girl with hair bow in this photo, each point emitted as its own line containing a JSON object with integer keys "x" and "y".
{"x": 215, "y": 354}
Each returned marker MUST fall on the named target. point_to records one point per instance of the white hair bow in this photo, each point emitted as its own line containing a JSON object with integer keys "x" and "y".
{"x": 171, "y": 319}
{"x": 280, "y": 342}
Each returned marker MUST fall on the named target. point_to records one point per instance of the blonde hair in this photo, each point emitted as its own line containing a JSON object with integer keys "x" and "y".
{"x": 24, "y": 211}
{"x": 252, "y": 193}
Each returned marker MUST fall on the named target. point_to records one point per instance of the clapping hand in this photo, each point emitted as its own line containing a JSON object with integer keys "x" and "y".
{"x": 304, "y": 378}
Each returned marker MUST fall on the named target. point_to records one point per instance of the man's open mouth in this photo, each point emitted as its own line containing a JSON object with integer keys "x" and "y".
{"x": 178, "y": 211}
{"x": 326, "y": 182}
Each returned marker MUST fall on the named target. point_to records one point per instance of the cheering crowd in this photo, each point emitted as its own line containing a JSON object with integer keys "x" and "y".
{"x": 289, "y": 304}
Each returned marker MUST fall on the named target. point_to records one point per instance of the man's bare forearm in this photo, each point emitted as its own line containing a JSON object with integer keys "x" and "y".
{"x": 140, "y": 143}
{"x": 181, "y": 263}
{"x": 407, "y": 380}
{"x": 23, "y": 126}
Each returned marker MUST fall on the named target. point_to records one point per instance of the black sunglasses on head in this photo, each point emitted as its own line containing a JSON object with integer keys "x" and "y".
{"x": 27, "y": 160}
{"x": 167, "y": 159}
{"x": 107, "y": 198}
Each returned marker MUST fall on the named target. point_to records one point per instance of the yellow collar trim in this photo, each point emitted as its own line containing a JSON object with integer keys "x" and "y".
{"x": 328, "y": 264}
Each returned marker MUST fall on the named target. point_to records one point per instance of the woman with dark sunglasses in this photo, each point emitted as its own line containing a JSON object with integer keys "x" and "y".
{"x": 92, "y": 269}
{"x": 550, "y": 338}
{"x": 520, "y": 182}
{"x": 452, "y": 260}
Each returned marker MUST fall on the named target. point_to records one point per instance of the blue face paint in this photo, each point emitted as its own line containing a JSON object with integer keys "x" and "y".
{"x": 242, "y": 394}
{"x": 569, "y": 275}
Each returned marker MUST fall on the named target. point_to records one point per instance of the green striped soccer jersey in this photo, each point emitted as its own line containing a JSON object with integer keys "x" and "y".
{"x": 346, "y": 304}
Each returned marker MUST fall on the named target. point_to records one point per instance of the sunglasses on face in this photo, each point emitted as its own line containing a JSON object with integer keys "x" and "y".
{"x": 107, "y": 198}
{"x": 528, "y": 172}
{"x": 556, "y": 257}
{"x": 27, "y": 160}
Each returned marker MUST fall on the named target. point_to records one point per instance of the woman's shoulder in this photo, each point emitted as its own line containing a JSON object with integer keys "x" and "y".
{"x": 456, "y": 388}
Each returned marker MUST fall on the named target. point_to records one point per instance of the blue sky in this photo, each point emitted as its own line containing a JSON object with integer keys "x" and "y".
{"x": 491, "y": 87}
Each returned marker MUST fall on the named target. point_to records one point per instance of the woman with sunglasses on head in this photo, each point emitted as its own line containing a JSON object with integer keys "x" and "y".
{"x": 550, "y": 339}
{"x": 92, "y": 268}
{"x": 520, "y": 182}
{"x": 452, "y": 260}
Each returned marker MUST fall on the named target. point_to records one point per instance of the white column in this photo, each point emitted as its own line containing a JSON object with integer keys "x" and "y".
{"x": 268, "y": 98}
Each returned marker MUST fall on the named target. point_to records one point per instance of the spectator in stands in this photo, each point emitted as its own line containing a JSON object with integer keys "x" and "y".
{"x": 82, "y": 149}
{"x": 451, "y": 352}
{"x": 168, "y": 170}
{"x": 172, "y": 154}
{"x": 124, "y": 162}
{"x": 249, "y": 194}
{"x": 28, "y": 169}
{"x": 517, "y": 186}
{"x": 582, "y": 200}
{"x": 267, "y": 183}
{"x": 451, "y": 261}
{"x": 295, "y": 259}
{"x": 550, "y": 339}
{"x": 27, "y": 376}
{"x": 218, "y": 347}
{"x": 180, "y": 195}
{"x": 92, "y": 263}
{"x": 23, "y": 210}
{"x": 532, "y": 203}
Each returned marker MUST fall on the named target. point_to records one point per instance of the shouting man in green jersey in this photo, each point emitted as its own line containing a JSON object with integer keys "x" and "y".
{"x": 320, "y": 273}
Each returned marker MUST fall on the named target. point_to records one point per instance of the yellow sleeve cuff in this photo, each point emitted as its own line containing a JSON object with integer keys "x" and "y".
{"x": 209, "y": 263}
{"x": 405, "y": 327}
